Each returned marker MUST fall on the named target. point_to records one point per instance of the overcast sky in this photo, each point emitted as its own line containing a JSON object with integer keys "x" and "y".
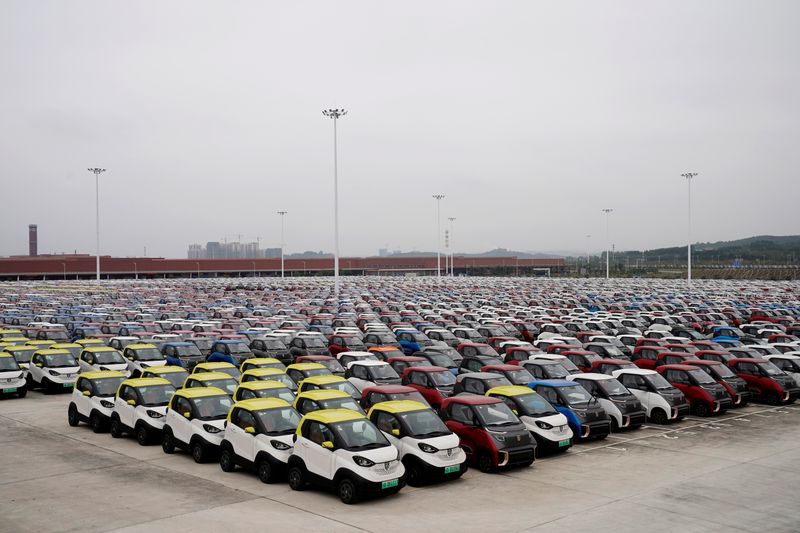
{"x": 529, "y": 116}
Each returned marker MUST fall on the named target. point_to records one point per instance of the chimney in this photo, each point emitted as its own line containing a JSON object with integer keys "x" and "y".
{"x": 33, "y": 242}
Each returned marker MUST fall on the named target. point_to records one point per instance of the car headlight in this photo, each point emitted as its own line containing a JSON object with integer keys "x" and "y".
{"x": 154, "y": 414}
{"x": 499, "y": 437}
{"x": 103, "y": 368}
{"x": 144, "y": 365}
{"x": 53, "y": 373}
{"x": 363, "y": 461}
{"x": 107, "y": 404}
{"x": 211, "y": 429}
{"x": 543, "y": 425}
{"x": 427, "y": 448}
{"x": 278, "y": 445}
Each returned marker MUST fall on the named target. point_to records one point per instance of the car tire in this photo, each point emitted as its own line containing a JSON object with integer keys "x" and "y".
{"x": 46, "y": 387}
{"x": 199, "y": 453}
{"x": 485, "y": 464}
{"x": 96, "y": 423}
{"x": 413, "y": 474}
{"x": 296, "y": 478}
{"x": 701, "y": 409}
{"x": 346, "y": 489}
{"x": 72, "y": 415}
{"x": 772, "y": 398}
{"x": 658, "y": 416}
{"x": 116, "y": 428}
{"x": 29, "y": 381}
{"x": 167, "y": 442}
{"x": 614, "y": 425}
{"x": 226, "y": 461}
{"x": 142, "y": 436}
{"x": 22, "y": 392}
{"x": 266, "y": 473}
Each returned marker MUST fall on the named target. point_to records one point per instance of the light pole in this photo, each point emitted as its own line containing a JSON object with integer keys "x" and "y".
{"x": 282, "y": 214}
{"x": 438, "y": 198}
{"x": 198, "y": 268}
{"x": 689, "y": 176}
{"x": 65, "y": 270}
{"x": 254, "y": 268}
{"x": 607, "y": 211}
{"x": 97, "y": 171}
{"x": 452, "y": 248}
{"x": 135, "y": 271}
{"x": 587, "y": 248}
{"x": 335, "y": 114}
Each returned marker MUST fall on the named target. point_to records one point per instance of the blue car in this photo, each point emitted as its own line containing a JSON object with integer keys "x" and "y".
{"x": 586, "y": 418}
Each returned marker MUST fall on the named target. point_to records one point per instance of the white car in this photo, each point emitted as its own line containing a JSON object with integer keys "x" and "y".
{"x": 789, "y": 362}
{"x": 196, "y": 421}
{"x": 363, "y": 374}
{"x": 663, "y": 402}
{"x": 259, "y": 435}
{"x": 93, "y": 399}
{"x": 96, "y": 358}
{"x": 429, "y": 450}
{"x": 622, "y": 406}
{"x": 141, "y": 356}
{"x": 52, "y": 370}
{"x": 140, "y": 408}
{"x": 12, "y": 376}
{"x": 549, "y": 427}
{"x": 345, "y": 358}
{"x": 341, "y": 449}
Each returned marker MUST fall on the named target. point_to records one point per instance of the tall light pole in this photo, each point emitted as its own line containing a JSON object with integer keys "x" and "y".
{"x": 452, "y": 248}
{"x": 282, "y": 214}
{"x": 607, "y": 211}
{"x": 689, "y": 176}
{"x": 135, "y": 271}
{"x": 438, "y": 198}
{"x": 335, "y": 114}
{"x": 587, "y": 248}
{"x": 97, "y": 171}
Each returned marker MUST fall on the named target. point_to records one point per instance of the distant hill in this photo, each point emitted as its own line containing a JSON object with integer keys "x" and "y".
{"x": 761, "y": 248}
{"x": 497, "y": 252}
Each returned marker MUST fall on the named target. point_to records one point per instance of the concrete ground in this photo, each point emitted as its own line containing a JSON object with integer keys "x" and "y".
{"x": 738, "y": 472}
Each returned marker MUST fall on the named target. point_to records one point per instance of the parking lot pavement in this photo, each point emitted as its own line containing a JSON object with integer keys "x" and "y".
{"x": 736, "y": 472}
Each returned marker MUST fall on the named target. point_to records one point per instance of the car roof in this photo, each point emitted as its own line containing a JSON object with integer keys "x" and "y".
{"x": 257, "y": 404}
{"x": 145, "y": 382}
{"x": 323, "y": 394}
{"x": 331, "y": 416}
{"x": 553, "y": 383}
{"x": 479, "y": 375}
{"x": 472, "y": 399}
{"x": 138, "y": 346}
{"x": 323, "y": 380}
{"x": 591, "y": 376}
{"x": 637, "y": 371}
{"x": 166, "y": 369}
{"x": 216, "y": 364}
{"x": 368, "y": 362}
{"x": 389, "y": 389}
{"x": 398, "y": 406}
{"x": 261, "y": 384}
{"x": 200, "y": 392}
{"x": 100, "y": 374}
{"x": 98, "y": 349}
{"x": 178, "y": 343}
{"x": 53, "y": 352}
{"x": 208, "y": 376}
{"x": 509, "y": 390}
{"x": 263, "y": 372}
{"x": 306, "y": 366}
{"x": 425, "y": 369}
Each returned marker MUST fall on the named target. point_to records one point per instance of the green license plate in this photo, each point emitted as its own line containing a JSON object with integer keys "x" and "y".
{"x": 562, "y": 443}
{"x": 67, "y": 385}
{"x": 451, "y": 469}
{"x": 9, "y": 390}
{"x": 389, "y": 484}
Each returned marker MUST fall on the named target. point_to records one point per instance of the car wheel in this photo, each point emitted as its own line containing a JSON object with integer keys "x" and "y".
{"x": 614, "y": 425}
{"x": 772, "y": 398}
{"x": 199, "y": 452}
{"x": 347, "y": 491}
{"x": 116, "y": 428}
{"x": 72, "y": 415}
{"x": 485, "y": 463}
{"x": 45, "y": 384}
{"x": 142, "y": 436}
{"x": 413, "y": 474}
{"x": 29, "y": 381}
{"x": 658, "y": 416}
{"x": 265, "y": 472}
{"x": 22, "y": 392}
{"x": 701, "y": 409}
{"x": 167, "y": 442}
{"x": 297, "y": 478}
{"x": 96, "y": 423}
{"x": 226, "y": 462}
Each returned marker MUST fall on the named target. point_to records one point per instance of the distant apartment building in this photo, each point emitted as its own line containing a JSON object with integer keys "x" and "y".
{"x": 231, "y": 250}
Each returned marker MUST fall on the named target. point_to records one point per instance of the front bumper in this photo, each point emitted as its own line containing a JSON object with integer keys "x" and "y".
{"x": 510, "y": 457}
{"x": 376, "y": 488}
{"x": 12, "y": 385}
{"x": 680, "y": 411}
{"x": 633, "y": 420}
{"x": 596, "y": 429}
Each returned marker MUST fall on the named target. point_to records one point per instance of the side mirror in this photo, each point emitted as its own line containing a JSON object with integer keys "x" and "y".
{"x": 250, "y": 431}
{"x": 515, "y": 411}
{"x": 328, "y": 445}
{"x": 131, "y": 402}
{"x": 396, "y": 433}
{"x": 39, "y": 365}
{"x": 187, "y": 414}
{"x": 21, "y": 367}
{"x": 87, "y": 393}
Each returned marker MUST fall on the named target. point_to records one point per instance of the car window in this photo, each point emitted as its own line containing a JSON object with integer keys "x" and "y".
{"x": 181, "y": 405}
{"x": 632, "y": 381}
{"x": 376, "y": 397}
{"x": 473, "y": 385}
{"x": 243, "y": 419}
{"x": 386, "y": 422}
{"x": 549, "y": 394}
{"x": 84, "y": 385}
{"x": 462, "y": 413}
{"x": 419, "y": 378}
{"x": 317, "y": 433}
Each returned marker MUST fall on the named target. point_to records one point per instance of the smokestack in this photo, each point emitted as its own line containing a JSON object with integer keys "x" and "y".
{"x": 33, "y": 241}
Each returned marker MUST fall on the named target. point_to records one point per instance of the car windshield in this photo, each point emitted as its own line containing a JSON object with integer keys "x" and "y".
{"x": 442, "y": 360}
{"x": 188, "y": 351}
{"x": 313, "y": 342}
{"x": 576, "y": 396}
{"x": 108, "y": 358}
{"x": 202, "y": 344}
{"x": 59, "y": 360}
{"x": 107, "y": 386}
{"x": 496, "y": 414}
{"x": 345, "y": 386}
{"x": 281, "y": 421}
{"x": 341, "y": 403}
{"x": 721, "y": 371}
{"x": 382, "y": 372}
{"x": 413, "y": 396}
{"x": 359, "y": 434}
{"x": 283, "y": 393}
{"x": 770, "y": 369}
{"x": 332, "y": 365}
{"x": 156, "y": 395}
{"x": 23, "y": 356}
{"x": 533, "y": 404}
{"x": 443, "y": 379}
{"x": 701, "y": 378}
{"x": 613, "y": 388}
{"x": 353, "y": 342}
{"x": 148, "y": 354}
{"x": 8, "y": 363}
{"x": 212, "y": 407}
{"x": 176, "y": 378}
{"x": 239, "y": 348}
{"x": 487, "y": 350}
{"x": 612, "y": 351}
{"x": 423, "y": 424}
{"x": 658, "y": 382}
{"x": 555, "y": 371}
{"x": 392, "y": 353}
{"x": 228, "y": 385}
{"x": 519, "y": 376}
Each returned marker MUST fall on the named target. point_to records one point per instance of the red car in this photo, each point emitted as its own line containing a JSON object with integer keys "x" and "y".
{"x": 435, "y": 383}
{"x": 345, "y": 343}
{"x": 607, "y": 366}
{"x": 674, "y": 358}
{"x": 715, "y": 355}
{"x": 766, "y": 382}
{"x": 401, "y": 363}
{"x": 384, "y": 393}
{"x": 476, "y": 348}
{"x": 704, "y": 394}
{"x": 518, "y": 354}
{"x": 491, "y": 434}
{"x": 646, "y": 356}
{"x": 516, "y": 374}
{"x": 583, "y": 359}
{"x": 736, "y": 386}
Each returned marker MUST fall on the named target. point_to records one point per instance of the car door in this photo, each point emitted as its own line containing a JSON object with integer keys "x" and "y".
{"x": 243, "y": 443}
{"x": 124, "y": 410}
{"x": 389, "y": 425}
{"x": 318, "y": 460}
{"x": 82, "y": 402}
{"x": 180, "y": 425}
{"x": 461, "y": 420}
{"x": 638, "y": 386}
